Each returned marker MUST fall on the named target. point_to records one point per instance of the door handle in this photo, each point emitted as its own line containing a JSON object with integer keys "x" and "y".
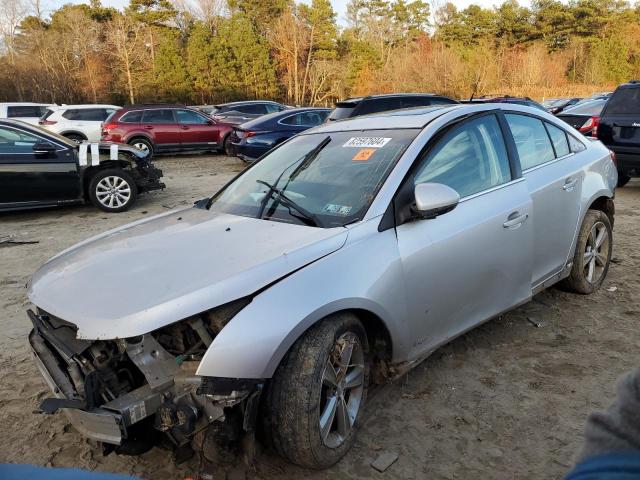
{"x": 184, "y": 127}
{"x": 514, "y": 220}
{"x": 148, "y": 127}
{"x": 569, "y": 184}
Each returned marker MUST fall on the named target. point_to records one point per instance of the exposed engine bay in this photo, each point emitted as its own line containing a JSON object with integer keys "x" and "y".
{"x": 135, "y": 393}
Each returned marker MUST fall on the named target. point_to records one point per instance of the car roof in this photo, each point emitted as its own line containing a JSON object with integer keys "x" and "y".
{"x": 388, "y": 95}
{"x": 83, "y": 106}
{"x": 12, "y": 104}
{"x": 244, "y": 102}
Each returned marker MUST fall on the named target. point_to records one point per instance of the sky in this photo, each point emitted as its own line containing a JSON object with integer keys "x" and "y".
{"x": 340, "y": 6}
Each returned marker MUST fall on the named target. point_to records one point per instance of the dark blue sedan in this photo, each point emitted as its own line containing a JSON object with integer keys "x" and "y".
{"x": 256, "y": 137}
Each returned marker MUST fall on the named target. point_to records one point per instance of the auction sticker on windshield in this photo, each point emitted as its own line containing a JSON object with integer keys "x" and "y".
{"x": 367, "y": 142}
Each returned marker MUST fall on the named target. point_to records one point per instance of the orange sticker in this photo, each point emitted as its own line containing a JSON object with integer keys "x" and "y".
{"x": 364, "y": 154}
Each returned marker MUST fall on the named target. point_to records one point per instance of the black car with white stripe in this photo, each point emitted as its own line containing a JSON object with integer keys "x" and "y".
{"x": 39, "y": 168}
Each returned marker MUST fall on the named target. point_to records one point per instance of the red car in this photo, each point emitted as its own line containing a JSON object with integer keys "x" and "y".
{"x": 165, "y": 128}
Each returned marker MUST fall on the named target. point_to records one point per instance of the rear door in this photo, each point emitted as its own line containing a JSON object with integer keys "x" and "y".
{"x": 196, "y": 130}
{"x": 161, "y": 125}
{"x": 620, "y": 125}
{"x": 28, "y": 177}
{"x": 554, "y": 175}
{"x": 470, "y": 264}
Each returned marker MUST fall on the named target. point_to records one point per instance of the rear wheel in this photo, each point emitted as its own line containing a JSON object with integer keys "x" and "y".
{"x": 142, "y": 144}
{"x": 113, "y": 190}
{"x": 623, "y": 179}
{"x": 593, "y": 254}
{"x": 226, "y": 146}
{"x": 315, "y": 399}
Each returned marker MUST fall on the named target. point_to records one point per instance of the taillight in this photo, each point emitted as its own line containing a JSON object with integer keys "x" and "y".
{"x": 613, "y": 157}
{"x": 244, "y": 133}
{"x": 591, "y": 125}
{"x": 109, "y": 126}
{"x": 46, "y": 122}
{"x": 249, "y": 134}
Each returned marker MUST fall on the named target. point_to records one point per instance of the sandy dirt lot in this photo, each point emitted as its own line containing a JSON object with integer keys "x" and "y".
{"x": 507, "y": 400}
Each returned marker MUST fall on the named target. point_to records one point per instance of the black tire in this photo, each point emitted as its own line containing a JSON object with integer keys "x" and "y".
{"x": 226, "y": 146}
{"x": 623, "y": 179}
{"x": 75, "y": 137}
{"x": 142, "y": 144}
{"x": 298, "y": 394}
{"x": 121, "y": 181}
{"x": 578, "y": 281}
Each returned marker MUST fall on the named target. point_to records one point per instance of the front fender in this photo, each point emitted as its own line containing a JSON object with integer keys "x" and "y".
{"x": 254, "y": 342}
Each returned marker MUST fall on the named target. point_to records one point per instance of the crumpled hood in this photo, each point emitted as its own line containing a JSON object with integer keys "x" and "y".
{"x": 152, "y": 273}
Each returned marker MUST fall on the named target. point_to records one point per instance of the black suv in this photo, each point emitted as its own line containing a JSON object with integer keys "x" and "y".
{"x": 353, "y": 107}
{"x": 619, "y": 129}
{"x": 39, "y": 168}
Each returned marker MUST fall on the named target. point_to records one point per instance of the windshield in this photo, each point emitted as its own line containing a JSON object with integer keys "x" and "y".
{"x": 592, "y": 108}
{"x": 342, "y": 110}
{"x": 326, "y": 180}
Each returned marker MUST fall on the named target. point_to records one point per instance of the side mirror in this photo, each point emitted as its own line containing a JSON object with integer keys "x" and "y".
{"x": 43, "y": 148}
{"x": 433, "y": 199}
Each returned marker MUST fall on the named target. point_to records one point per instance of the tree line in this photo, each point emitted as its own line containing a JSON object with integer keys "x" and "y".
{"x": 209, "y": 51}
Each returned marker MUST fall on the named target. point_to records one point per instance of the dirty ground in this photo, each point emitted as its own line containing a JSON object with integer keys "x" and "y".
{"x": 507, "y": 400}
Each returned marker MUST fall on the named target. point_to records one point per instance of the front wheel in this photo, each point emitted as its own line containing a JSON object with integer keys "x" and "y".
{"x": 74, "y": 137}
{"x": 314, "y": 401}
{"x": 113, "y": 190}
{"x": 593, "y": 254}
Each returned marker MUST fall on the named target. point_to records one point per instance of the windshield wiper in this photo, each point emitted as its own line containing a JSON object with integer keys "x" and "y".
{"x": 303, "y": 213}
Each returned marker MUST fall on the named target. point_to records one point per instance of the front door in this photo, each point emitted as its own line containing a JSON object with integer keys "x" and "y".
{"x": 472, "y": 263}
{"x": 196, "y": 131}
{"x": 554, "y": 178}
{"x": 27, "y": 176}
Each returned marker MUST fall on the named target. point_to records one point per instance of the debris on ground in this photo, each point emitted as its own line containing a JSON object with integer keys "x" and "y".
{"x": 11, "y": 240}
{"x": 533, "y": 322}
{"x": 612, "y": 289}
{"x": 384, "y": 461}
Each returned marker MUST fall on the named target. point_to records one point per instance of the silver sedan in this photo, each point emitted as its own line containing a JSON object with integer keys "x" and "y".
{"x": 344, "y": 256}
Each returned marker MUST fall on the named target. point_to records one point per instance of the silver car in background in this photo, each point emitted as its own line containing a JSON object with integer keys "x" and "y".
{"x": 346, "y": 255}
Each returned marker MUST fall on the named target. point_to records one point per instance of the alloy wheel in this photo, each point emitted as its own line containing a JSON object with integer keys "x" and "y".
{"x": 342, "y": 390}
{"x": 596, "y": 255}
{"x": 141, "y": 146}
{"x": 113, "y": 192}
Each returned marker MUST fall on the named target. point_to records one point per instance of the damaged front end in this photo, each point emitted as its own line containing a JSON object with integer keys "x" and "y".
{"x": 131, "y": 394}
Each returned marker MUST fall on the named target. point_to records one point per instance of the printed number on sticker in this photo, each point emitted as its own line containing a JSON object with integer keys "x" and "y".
{"x": 367, "y": 142}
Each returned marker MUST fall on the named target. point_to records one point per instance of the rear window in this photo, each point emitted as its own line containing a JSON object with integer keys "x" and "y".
{"x": 23, "y": 111}
{"x": 134, "y": 116}
{"x": 254, "y": 108}
{"x": 88, "y": 114}
{"x": 305, "y": 119}
{"x": 624, "y": 101}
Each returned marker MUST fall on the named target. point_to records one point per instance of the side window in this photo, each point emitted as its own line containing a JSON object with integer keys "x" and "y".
{"x": 409, "y": 102}
{"x": 134, "y": 116}
{"x": 575, "y": 144}
{"x": 16, "y": 141}
{"x": 158, "y": 116}
{"x": 24, "y": 111}
{"x": 71, "y": 115}
{"x": 191, "y": 118}
{"x": 559, "y": 140}
{"x": 470, "y": 159}
{"x": 254, "y": 108}
{"x": 305, "y": 119}
{"x": 272, "y": 108}
{"x": 376, "y": 105}
{"x": 532, "y": 142}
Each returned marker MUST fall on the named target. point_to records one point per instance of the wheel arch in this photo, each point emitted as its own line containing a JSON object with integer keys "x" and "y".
{"x": 135, "y": 135}
{"x": 64, "y": 133}
{"x": 89, "y": 172}
{"x": 606, "y": 205}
